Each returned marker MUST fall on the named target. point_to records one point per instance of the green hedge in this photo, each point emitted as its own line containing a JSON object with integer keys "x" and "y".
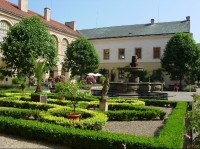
{"x": 56, "y": 114}
{"x": 15, "y": 102}
{"x": 20, "y": 113}
{"x": 170, "y": 137}
{"x": 74, "y": 138}
{"x": 89, "y": 119}
{"x": 129, "y": 115}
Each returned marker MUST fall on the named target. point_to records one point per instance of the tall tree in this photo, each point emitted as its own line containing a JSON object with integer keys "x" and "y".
{"x": 181, "y": 56}
{"x": 26, "y": 40}
{"x": 81, "y": 57}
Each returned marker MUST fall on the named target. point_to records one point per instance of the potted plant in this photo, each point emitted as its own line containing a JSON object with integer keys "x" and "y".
{"x": 71, "y": 91}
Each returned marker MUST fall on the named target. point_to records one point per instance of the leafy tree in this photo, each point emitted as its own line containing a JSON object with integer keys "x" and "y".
{"x": 181, "y": 56}
{"x": 26, "y": 39}
{"x": 81, "y": 57}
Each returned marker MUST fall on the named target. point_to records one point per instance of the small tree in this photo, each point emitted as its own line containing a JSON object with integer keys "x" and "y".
{"x": 180, "y": 56}
{"x": 26, "y": 39}
{"x": 81, "y": 57}
{"x": 70, "y": 90}
{"x": 39, "y": 70}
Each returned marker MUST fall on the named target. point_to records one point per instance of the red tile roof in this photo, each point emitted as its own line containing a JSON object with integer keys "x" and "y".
{"x": 13, "y": 9}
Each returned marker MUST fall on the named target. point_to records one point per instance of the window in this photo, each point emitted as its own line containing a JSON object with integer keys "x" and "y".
{"x": 138, "y": 52}
{"x": 64, "y": 46}
{"x": 106, "y": 53}
{"x": 121, "y": 53}
{"x": 4, "y": 27}
{"x": 156, "y": 52}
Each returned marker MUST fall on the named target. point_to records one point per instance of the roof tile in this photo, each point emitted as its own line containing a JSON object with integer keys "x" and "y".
{"x": 137, "y": 30}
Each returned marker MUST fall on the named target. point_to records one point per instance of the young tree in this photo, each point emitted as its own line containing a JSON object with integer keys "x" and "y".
{"x": 181, "y": 56}
{"x": 39, "y": 66}
{"x": 26, "y": 39}
{"x": 81, "y": 57}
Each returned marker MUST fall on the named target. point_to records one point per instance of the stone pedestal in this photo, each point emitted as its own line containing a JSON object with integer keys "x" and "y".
{"x": 149, "y": 87}
{"x": 103, "y": 104}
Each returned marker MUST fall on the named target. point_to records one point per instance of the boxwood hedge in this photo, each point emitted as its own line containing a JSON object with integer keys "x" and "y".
{"x": 170, "y": 137}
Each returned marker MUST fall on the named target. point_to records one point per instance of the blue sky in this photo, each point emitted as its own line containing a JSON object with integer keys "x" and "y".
{"x": 103, "y": 13}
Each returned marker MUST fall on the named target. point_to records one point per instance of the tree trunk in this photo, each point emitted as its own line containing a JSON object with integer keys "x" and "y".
{"x": 29, "y": 81}
{"x": 38, "y": 88}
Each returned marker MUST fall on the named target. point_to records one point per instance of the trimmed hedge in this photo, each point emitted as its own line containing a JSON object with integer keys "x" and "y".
{"x": 58, "y": 134}
{"x": 170, "y": 137}
{"x": 57, "y": 114}
{"x": 15, "y": 102}
{"x": 20, "y": 113}
{"x": 130, "y": 115}
{"x": 91, "y": 120}
{"x": 174, "y": 129}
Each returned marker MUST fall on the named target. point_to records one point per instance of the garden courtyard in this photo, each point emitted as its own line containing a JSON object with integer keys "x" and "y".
{"x": 124, "y": 123}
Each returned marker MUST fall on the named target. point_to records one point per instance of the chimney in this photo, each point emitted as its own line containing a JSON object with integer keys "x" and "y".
{"x": 188, "y": 18}
{"x": 47, "y": 14}
{"x": 71, "y": 25}
{"x": 23, "y": 5}
{"x": 152, "y": 21}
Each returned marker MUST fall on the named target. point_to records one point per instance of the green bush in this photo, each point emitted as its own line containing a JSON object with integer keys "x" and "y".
{"x": 56, "y": 114}
{"x": 15, "y": 102}
{"x": 6, "y": 86}
{"x": 129, "y": 115}
{"x": 89, "y": 119}
{"x": 170, "y": 137}
{"x": 20, "y": 113}
{"x": 174, "y": 129}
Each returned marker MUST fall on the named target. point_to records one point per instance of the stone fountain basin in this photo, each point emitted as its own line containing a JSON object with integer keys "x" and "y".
{"x": 133, "y": 69}
{"x": 126, "y": 87}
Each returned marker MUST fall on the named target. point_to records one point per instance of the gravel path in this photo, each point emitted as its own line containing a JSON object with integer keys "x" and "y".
{"x": 138, "y": 128}
{"x": 9, "y": 141}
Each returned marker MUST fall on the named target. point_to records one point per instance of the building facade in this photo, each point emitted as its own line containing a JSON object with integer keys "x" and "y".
{"x": 116, "y": 45}
{"x": 63, "y": 34}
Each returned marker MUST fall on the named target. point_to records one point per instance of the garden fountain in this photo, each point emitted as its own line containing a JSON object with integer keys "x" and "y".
{"x": 133, "y": 86}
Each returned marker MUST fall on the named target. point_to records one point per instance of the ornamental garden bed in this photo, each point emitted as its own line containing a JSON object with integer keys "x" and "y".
{"x": 47, "y": 122}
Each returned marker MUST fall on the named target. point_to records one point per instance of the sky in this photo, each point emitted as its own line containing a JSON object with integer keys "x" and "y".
{"x": 90, "y": 14}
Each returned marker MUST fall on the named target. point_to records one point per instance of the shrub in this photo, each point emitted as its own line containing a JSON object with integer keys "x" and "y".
{"x": 129, "y": 115}
{"x": 170, "y": 137}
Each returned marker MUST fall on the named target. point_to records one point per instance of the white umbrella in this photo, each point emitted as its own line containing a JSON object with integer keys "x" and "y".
{"x": 97, "y": 74}
{"x": 91, "y": 74}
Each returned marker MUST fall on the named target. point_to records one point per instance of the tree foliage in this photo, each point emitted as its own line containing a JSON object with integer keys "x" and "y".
{"x": 181, "y": 56}
{"x": 26, "y": 39}
{"x": 39, "y": 67}
{"x": 81, "y": 57}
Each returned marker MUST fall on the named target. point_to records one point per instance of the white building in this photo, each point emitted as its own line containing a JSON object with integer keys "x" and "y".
{"x": 116, "y": 45}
